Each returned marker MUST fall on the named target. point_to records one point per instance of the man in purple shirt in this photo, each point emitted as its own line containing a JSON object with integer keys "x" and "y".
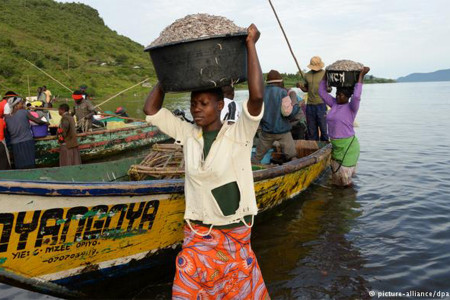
{"x": 340, "y": 120}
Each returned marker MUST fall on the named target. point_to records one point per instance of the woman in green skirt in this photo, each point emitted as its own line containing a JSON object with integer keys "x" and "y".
{"x": 340, "y": 120}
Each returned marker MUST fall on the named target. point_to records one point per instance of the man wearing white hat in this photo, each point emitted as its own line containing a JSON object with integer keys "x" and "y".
{"x": 316, "y": 110}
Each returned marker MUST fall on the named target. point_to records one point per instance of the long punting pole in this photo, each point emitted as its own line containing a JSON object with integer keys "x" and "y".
{"x": 122, "y": 92}
{"x": 28, "y": 82}
{"x": 289, "y": 45}
{"x": 47, "y": 74}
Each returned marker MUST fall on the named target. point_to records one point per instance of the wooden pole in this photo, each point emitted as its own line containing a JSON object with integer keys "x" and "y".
{"x": 287, "y": 41}
{"x": 47, "y": 74}
{"x": 98, "y": 105}
{"x": 28, "y": 81}
{"x": 41, "y": 108}
{"x": 102, "y": 114}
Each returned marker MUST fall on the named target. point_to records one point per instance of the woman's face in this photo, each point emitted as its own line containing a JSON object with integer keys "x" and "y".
{"x": 341, "y": 98}
{"x": 205, "y": 109}
{"x": 19, "y": 105}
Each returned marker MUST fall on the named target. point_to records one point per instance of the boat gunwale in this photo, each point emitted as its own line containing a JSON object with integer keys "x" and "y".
{"x": 100, "y": 132}
{"x": 294, "y": 165}
{"x": 144, "y": 187}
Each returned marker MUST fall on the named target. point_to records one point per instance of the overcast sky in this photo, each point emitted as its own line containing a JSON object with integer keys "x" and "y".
{"x": 393, "y": 37}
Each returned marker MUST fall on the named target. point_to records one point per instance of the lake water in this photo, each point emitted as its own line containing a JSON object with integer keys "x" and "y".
{"x": 389, "y": 233}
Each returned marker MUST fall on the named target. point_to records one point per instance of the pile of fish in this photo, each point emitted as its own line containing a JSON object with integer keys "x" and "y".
{"x": 345, "y": 65}
{"x": 196, "y": 26}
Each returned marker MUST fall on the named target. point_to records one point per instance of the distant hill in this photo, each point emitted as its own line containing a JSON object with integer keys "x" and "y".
{"x": 70, "y": 42}
{"x": 441, "y": 75}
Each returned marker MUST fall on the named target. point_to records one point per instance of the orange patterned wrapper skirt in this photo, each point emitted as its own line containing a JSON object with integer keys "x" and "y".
{"x": 221, "y": 265}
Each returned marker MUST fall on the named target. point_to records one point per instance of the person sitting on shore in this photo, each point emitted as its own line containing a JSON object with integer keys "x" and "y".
{"x": 219, "y": 188}
{"x": 340, "y": 121}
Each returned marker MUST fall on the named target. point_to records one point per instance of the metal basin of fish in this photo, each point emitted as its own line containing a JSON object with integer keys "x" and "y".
{"x": 201, "y": 63}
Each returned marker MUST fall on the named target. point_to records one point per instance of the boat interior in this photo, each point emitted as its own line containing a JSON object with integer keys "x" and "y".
{"x": 163, "y": 161}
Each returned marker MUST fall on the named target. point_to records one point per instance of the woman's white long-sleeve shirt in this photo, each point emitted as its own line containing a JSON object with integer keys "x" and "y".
{"x": 228, "y": 161}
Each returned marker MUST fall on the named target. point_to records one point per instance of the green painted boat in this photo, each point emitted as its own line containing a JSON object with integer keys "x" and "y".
{"x": 100, "y": 143}
{"x": 108, "y": 171}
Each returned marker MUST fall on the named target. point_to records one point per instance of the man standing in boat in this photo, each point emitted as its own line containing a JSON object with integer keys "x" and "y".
{"x": 48, "y": 96}
{"x": 316, "y": 109}
{"x": 84, "y": 110}
{"x": 83, "y": 89}
{"x": 275, "y": 125}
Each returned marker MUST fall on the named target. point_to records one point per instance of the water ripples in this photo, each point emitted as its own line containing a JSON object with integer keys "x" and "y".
{"x": 391, "y": 231}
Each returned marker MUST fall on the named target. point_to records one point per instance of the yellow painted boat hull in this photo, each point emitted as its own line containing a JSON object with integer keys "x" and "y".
{"x": 65, "y": 238}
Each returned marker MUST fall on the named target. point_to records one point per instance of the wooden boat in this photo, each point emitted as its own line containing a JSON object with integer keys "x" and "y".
{"x": 100, "y": 143}
{"x": 72, "y": 231}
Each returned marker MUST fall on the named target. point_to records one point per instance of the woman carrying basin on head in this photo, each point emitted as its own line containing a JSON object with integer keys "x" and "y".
{"x": 216, "y": 259}
{"x": 340, "y": 120}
